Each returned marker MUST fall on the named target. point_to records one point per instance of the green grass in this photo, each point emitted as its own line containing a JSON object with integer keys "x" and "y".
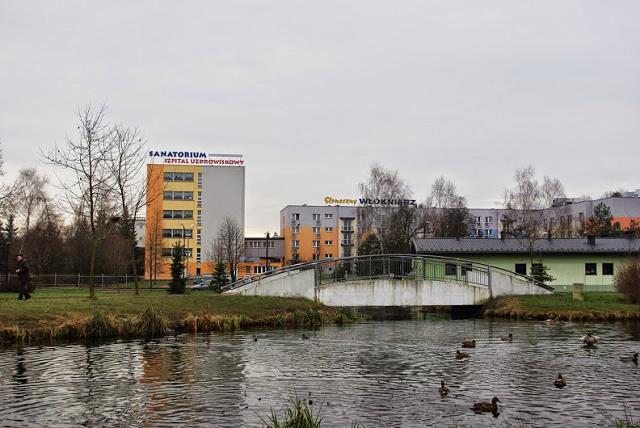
{"x": 596, "y": 305}
{"x": 69, "y": 312}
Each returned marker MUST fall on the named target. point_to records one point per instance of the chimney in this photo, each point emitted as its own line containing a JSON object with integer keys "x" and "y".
{"x": 591, "y": 239}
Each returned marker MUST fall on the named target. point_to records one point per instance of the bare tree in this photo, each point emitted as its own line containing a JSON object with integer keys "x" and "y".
{"x": 525, "y": 203}
{"x": 231, "y": 240}
{"x": 84, "y": 163}
{"x": 446, "y": 211}
{"x": 6, "y": 191}
{"x": 394, "y": 226}
{"x": 214, "y": 253}
{"x": 125, "y": 162}
{"x": 153, "y": 244}
{"x": 30, "y": 195}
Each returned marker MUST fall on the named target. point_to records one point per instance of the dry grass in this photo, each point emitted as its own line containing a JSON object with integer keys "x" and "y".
{"x": 71, "y": 315}
{"x": 561, "y": 306}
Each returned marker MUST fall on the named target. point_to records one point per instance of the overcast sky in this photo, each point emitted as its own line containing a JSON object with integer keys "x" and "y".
{"x": 313, "y": 92}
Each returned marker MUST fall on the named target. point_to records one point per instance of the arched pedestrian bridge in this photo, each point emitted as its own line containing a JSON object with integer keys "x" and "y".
{"x": 389, "y": 280}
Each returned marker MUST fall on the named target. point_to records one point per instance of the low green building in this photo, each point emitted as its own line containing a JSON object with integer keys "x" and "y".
{"x": 589, "y": 261}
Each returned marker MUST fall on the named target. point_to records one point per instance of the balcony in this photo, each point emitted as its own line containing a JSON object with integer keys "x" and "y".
{"x": 347, "y": 229}
{"x": 346, "y": 242}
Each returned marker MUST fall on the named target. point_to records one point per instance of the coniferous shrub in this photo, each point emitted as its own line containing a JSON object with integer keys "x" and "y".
{"x": 220, "y": 278}
{"x": 178, "y": 282}
{"x": 627, "y": 280}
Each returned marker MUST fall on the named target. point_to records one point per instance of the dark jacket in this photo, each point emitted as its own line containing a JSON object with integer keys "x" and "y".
{"x": 22, "y": 269}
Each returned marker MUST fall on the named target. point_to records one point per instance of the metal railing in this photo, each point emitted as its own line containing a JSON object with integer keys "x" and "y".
{"x": 395, "y": 267}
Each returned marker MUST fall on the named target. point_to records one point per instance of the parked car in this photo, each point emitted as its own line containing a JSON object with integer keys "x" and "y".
{"x": 204, "y": 285}
{"x": 201, "y": 278}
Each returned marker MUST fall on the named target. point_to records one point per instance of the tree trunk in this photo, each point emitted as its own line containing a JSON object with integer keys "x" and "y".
{"x": 134, "y": 267}
{"x": 92, "y": 267}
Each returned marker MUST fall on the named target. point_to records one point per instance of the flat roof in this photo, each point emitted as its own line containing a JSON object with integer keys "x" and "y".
{"x": 520, "y": 246}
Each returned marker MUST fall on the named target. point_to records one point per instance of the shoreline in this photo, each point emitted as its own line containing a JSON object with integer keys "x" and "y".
{"x": 597, "y": 306}
{"x": 70, "y": 315}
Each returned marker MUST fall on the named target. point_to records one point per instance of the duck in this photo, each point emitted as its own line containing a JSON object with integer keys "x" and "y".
{"x": 508, "y": 338}
{"x": 443, "y": 390}
{"x": 461, "y": 355}
{"x": 628, "y": 359}
{"x": 589, "y": 340}
{"x": 255, "y": 338}
{"x": 549, "y": 321}
{"x": 560, "y": 382}
{"x": 469, "y": 343}
{"x": 304, "y": 336}
{"x": 485, "y": 406}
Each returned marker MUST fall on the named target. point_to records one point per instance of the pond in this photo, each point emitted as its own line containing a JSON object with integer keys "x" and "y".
{"x": 373, "y": 373}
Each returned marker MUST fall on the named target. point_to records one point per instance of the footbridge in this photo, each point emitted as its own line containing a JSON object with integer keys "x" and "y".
{"x": 390, "y": 280}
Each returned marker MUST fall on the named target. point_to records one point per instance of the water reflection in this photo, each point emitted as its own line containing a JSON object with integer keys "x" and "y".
{"x": 377, "y": 374}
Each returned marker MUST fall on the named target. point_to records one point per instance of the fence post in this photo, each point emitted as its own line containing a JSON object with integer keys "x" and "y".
{"x": 78, "y": 279}
{"x": 102, "y": 280}
{"x": 55, "y": 279}
{"x": 126, "y": 280}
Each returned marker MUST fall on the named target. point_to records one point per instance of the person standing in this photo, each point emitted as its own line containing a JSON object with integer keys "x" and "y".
{"x": 22, "y": 269}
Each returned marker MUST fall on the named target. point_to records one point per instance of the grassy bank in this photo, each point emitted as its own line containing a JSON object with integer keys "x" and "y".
{"x": 70, "y": 314}
{"x": 561, "y": 306}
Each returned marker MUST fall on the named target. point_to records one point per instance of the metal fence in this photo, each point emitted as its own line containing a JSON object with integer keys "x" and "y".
{"x": 80, "y": 280}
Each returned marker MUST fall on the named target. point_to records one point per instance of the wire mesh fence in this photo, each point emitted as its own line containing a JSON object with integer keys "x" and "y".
{"x": 80, "y": 280}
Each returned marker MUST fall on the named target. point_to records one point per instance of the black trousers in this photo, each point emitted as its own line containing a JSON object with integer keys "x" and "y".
{"x": 24, "y": 289}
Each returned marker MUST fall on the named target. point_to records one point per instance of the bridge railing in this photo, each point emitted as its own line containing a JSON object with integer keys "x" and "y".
{"x": 394, "y": 267}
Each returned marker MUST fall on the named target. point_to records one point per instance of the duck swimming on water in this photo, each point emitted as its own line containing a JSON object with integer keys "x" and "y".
{"x": 443, "y": 390}
{"x": 508, "y": 338}
{"x": 469, "y": 343}
{"x": 485, "y": 406}
{"x": 589, "y": 340}
{"x": 560, "y": 382}
{"x": 633, "y": 359}
{"x": 461, "y": 355}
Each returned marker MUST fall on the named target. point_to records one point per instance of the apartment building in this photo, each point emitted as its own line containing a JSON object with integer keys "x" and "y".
{"x": 313, "y": 232}
{"x": 261, "y": 254}
{"x": 189, "y": 194}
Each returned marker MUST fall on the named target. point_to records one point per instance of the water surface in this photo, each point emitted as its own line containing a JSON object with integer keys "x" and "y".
{"x": 375, "y": 373}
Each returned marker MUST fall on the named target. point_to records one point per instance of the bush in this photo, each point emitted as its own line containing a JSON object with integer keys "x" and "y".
{"x": 627, "y": 280}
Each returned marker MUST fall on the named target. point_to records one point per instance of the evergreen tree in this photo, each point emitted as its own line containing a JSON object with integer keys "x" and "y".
{"x": 540, "y": 273}
{"x": 177, "y": 284}
{"x": 601, "y": 222}
{"x": 370, "y": 245}
{"x": 10, "y": 231}
{"x": 220, "y": 278}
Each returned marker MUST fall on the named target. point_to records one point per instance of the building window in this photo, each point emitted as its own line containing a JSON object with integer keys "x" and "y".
{"x": 172, "y": 214}
{"x": 450, "y": 269}
{"x": 316, "y": 217}
{"x": 167, "y": 252}
{"x": 178, "y": 176}
{"x": 478, "y": 221}
{"x": 607, "y": 269}
{"x": 316, "y": 244}
{"x": 199, "y": 179}
{"x": 295, "y": 216}
{"x": 328, "y": 256}
{"x": 199, "y": 220}
{"x": 199, "y": 199}
{"x": 177, "y": 233}
{"x": 487, "y": 233}
{"x": 328, "y": 229}
{"x": 295, "y": 244}
{"x": 178, "y": 196}
{"x": 247, "y": 269}
{"x": 316, "y": 230}
{"x": 199, "y": 236}
{"x": 296, "y": 229}
{"x": 590, "y": 268}
{"x": 328, "y": 215}
{"x": 315, "y": 256}
{"x": 521, "y": 268}
{"x": 328, "y": 242}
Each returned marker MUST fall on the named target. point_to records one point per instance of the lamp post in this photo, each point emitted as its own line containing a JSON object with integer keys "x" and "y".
{"x": 267, "y": 252}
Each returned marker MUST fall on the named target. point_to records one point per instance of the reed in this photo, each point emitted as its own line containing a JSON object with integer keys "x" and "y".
{"x": 298, "y": 415}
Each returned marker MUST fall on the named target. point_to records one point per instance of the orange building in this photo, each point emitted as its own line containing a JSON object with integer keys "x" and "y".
{"x": 318, "y": 232}
{"x": 189, "y": 195}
